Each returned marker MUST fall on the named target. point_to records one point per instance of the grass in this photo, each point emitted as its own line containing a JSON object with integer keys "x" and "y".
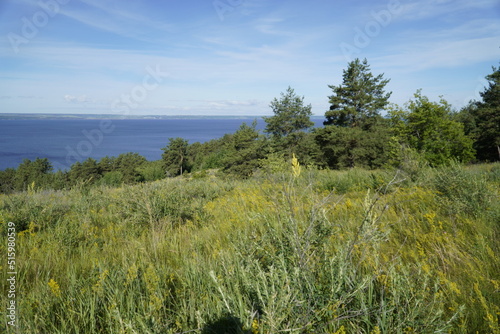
{"x": 301, "y": 251}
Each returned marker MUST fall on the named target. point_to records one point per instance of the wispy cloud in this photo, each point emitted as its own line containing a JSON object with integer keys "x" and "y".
{"x": 439, "y": 54}
{"x": 101, "y": 49}
{"x": 425, "y": 9}
{"x": 230, "y": 103}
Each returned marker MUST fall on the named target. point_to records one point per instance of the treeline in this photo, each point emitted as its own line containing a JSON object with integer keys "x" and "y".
{"x": 355, "y": 134}
{"x": 126, "y": 168}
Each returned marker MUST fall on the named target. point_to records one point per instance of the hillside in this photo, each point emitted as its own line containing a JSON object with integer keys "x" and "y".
{"x": 296, "y": 251}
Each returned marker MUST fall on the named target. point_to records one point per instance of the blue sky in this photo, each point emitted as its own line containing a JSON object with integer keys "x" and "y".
{"x": 232, "y": 57}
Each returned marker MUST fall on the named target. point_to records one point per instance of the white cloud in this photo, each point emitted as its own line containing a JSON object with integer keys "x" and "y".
{"x": 77, "y": 99}
{"x": 229, "y": 103}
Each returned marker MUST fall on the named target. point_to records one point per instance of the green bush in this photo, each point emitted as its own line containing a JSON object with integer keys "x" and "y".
{"x": 467, "y": 192}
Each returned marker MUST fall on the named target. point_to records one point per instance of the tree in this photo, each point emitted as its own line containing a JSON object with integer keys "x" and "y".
{"x": 346, "y": 147}
{"x": 429, "y": 128}
{"x": 175, "y": 156}
{"x": 484, "y": 119}
{"x": 32, "y": 171}
{"x": 152, "y": 170}
{"x": 7, "y": 180}
{"x": 107, "y": 164}
{"x": 290, "y": 118}
{"x": 211, "y": 154}
{"x": 357, "y": 102}
{"x": 245, "y": 149}
{"x": 128, "y": 164}
{"x": 87, "y": 171}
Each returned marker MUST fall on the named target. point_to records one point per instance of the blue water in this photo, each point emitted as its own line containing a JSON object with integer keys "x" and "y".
{"x": 65, "y": 141}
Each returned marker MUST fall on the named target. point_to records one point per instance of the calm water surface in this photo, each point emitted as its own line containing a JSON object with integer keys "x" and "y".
{"x": 64, "y": 141}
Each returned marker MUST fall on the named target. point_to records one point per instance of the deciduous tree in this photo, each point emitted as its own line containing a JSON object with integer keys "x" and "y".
{"x": 429, "y": 128}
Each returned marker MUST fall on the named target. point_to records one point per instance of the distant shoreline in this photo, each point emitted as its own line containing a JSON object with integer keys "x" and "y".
{"x": 21, "y": 116}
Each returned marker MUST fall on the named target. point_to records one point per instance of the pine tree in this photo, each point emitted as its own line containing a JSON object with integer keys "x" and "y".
{"x": 487, "y": 119}
{"x": 245, "y": 150}
{"x": 290, "y": 119}
{"x": 175, "y": 156}
{"x": 357, "y": 102}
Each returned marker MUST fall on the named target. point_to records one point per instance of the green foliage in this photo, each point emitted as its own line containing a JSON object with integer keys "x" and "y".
{"x": 355, "y": 134}
{"x": 354, "y": 251}
{"x": 151, "y": 170}
{"x": 175, "y": 156}
{"x": 245, "y": 149}
{"x": 88, "y": 172}
{"x": 128, "y": 164}
{"x": 482, "y": 120}
{"x": 211, "y": 154}
{"x": 7, "y": 180}
{"x": 107, "y": 164}
{"x": 291, "y": 249}
{"x": 32, "y": 172}
{"x": 357, "y": 102}
{"x": 114, "y": 179}
{"x": 468, "y": 192}
{"x": 346, "y": 147}
{"x": 406, "y": 159}
{"x": 290, "y": 118}
{"x": 428, "y": 127}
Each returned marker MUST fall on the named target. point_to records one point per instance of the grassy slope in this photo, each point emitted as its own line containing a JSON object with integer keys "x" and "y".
{"x": 325, "y": 251}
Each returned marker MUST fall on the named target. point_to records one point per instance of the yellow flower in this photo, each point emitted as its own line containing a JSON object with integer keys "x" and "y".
{"x": 131, "y": 274}
{"x": 54, "y": 287}
{"x": 255, "y": 326}
{"x": 341, "y": 330}
{"x": 98, "y": 287}
{"x": 295, "y": 166}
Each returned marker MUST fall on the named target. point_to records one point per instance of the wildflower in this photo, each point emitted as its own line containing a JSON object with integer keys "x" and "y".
{"x": 98, "y": 287}
{"x": 341, "y": 330}
{"x": 131, "y": 274}
{"x": 295, "y": 166}
{"x": 152, "y": 279}
{"x": 54, "y": 287}
{"x": 255, "y": 326}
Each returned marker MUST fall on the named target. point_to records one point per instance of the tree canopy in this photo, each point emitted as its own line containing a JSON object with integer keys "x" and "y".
{"x": 429, "y": 128}
{"x": 360, "y": 97}
{"x": 175, "y": 156}
{"x": 291, "y": 118}
{"x": 482, "y": 119}
{"x": 245, "y": 150}
{"x": 421, "y": 132}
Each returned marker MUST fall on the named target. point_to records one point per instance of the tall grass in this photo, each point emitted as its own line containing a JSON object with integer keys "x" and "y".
{"x": 299, "y": 251}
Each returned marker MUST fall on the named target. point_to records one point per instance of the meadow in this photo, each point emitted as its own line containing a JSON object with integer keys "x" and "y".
{"x": 289, "y": 250}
